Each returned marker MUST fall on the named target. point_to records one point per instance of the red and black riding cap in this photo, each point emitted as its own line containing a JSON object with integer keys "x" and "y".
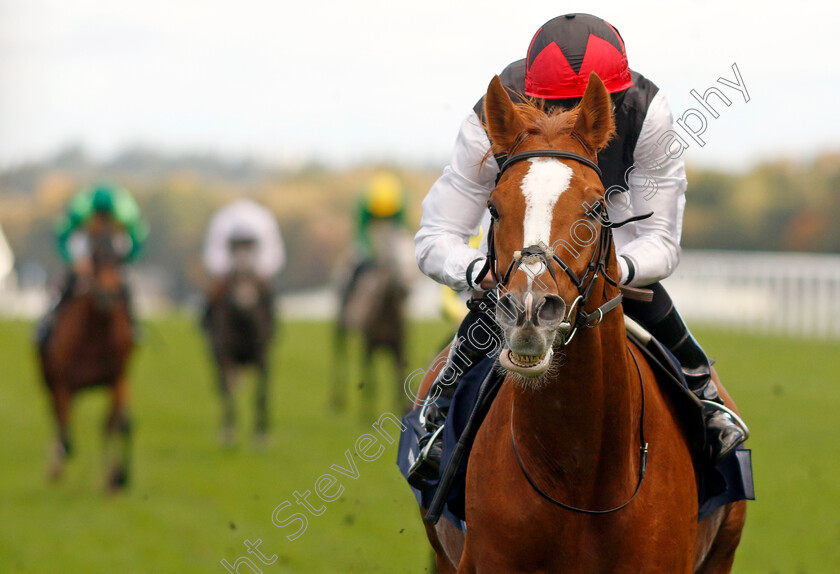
{"x": 566, "y": 49}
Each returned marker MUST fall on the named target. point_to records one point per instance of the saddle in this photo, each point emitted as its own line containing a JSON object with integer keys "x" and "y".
{"x": 730, "y": 481}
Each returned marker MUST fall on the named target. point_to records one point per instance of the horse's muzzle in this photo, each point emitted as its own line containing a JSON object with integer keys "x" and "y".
{"x": 530, "y": 321}
{"x": 538, "y": 309}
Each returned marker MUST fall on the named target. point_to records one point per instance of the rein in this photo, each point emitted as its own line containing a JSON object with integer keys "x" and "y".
{"x": 643, "y": 452}
{"x": 576, "y": 316}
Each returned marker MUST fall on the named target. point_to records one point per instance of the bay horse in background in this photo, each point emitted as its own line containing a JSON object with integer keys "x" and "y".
{"x": 89, "y": 344}
{"x": 556, "y": 478}
{"x": 373, "y": 305}
{"x": 240, "y": 324}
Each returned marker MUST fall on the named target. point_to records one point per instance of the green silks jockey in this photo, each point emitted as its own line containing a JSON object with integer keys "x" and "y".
{"x": 101, "y": 204}
{"x": 383, "y": 199}
{"x": 114, "y": 201}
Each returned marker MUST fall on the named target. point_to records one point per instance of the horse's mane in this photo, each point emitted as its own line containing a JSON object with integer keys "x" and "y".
{"x": 543, "y": 121}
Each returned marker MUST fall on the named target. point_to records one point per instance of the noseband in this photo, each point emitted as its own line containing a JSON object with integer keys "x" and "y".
{"x": 576, "y": 316}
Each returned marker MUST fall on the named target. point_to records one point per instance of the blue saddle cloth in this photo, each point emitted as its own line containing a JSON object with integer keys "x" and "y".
{"x": 460, "y": 407}
{"x": 730, "y": 481}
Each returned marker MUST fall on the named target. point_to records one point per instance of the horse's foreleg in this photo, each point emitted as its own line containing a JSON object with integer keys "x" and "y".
{"x": 61, "y": 447}
{"x": 403, "y": 401}
{"x": 722, "y": 552}
{"x": 338, "y": 395}
{"x": 447, "y": 545}
{"x": 368, "y": 384}
{"x": 227, "y": 432}
{"x": 118, "y": 437}
{"x": 261, "y": 406}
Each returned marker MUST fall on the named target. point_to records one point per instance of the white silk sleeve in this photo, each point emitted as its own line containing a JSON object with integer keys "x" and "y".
{"x": 454, "y": 207}
{"x": 657, "y": 185}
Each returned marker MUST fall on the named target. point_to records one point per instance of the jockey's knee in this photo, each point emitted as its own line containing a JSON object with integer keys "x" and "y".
{"x": 649, "y": 313}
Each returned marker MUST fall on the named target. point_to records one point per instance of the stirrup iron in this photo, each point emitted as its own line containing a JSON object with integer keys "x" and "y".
{"x": 732, "y": 414}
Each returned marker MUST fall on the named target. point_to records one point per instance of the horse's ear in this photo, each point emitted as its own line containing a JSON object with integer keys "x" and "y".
{"x": 504, "y": 123}
{"x": 595, "y": 124}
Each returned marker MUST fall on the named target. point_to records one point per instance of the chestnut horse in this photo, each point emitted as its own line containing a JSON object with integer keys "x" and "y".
{"x": 89, "y": 345}
{"x": 556, "y": 478}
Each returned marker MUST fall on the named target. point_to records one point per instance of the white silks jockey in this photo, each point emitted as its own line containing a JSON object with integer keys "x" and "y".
{"x": 244, "y": 221}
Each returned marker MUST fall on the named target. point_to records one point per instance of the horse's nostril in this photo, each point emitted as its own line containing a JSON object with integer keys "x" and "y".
{"x": 552, "y": 310}
{"x": 508, "y": 310}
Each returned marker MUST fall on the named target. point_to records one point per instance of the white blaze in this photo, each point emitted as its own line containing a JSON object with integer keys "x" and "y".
{"x": 545, "y": 181}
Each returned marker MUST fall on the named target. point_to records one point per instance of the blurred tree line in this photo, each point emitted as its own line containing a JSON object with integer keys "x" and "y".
{"x": 178, "y": 195}
{"x": 780, "y": 206}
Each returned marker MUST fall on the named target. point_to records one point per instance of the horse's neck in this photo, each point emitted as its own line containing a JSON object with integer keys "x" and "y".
{"x": 77, "y": 310}
{"x": 242, "y": 274}
{"x": 225, "y": 286}
{"x": 78, "y": 322}
{"x": 581, "y": 429}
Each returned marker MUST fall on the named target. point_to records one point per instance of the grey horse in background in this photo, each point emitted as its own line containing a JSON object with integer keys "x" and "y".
{"x": 373, "y": 304}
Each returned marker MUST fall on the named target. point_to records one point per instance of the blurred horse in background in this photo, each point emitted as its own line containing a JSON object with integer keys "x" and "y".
{"x": 239, "y": 322}
{"x": 89, "y": 344}
{"x": 373, "y": 304}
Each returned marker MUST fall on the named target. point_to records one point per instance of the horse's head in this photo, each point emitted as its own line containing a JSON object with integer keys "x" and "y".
{"x": 243, "y": 246}
{"x": 546, "y": 247}
{"x": 392, "y": 251}
{"x": 107, "y": 250}
{"x": 241, "y": 286}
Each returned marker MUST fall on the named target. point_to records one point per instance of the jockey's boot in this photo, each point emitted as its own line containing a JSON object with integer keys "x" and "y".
{"x": 723, "y": 433}
{"x": 136, "y": 327}
{"x": 463, "y": 355}
{"x": 42, "y": 332}
{"x": 425, "y": 471}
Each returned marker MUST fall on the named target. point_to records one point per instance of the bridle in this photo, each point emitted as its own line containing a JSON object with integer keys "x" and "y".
{"x": 596, "y": 267}
{"x": 104, "y": 257}
{"x": 576, "y": 316}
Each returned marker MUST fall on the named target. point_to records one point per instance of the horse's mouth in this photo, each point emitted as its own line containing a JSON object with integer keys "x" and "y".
{"x": 526, "y": 365}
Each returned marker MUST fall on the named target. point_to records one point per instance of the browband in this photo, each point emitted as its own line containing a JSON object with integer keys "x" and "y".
{"x": 548, "y": 153}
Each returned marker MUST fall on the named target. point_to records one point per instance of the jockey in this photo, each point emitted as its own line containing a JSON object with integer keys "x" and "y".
{"x": 452, "y": 302}
{"x": 383, "y": 200}
{"x": 102, "y": 203}
{"x": 243, "y": 236}
{"x": 559, "y": 60}
{"x": 244, "y": 221}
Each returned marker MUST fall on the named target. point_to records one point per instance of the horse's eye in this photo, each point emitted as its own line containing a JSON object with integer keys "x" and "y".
{"x": 494, "y": 213}
{"x": 596, "y": 210}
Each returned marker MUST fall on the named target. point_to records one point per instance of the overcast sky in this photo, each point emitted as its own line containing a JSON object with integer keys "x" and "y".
{"x": 344, "y": 81}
